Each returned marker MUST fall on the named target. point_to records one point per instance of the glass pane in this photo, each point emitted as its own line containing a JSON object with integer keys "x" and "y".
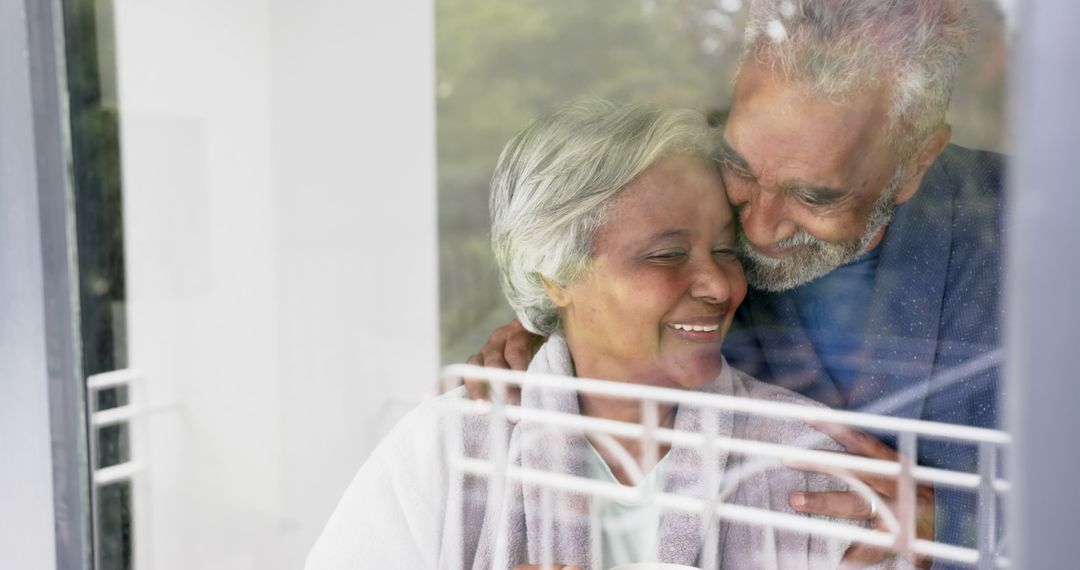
{"x": 114, "y": 526}
{"x": 243, "y": 351}
{"x": 96, "y": 158}
{"x": 854, "y": 334}
{"x": 109, "y": 398}
{"x": 113, "y": 445}
{"x": 501, "y": 64}
{"x": 281, "y": 239}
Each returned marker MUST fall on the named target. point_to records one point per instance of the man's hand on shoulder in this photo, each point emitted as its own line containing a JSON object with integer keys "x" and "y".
{"x": 509, "y": 347}
{"x": 851, "y": 505}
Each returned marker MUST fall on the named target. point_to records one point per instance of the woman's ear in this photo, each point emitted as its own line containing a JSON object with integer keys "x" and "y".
{"x": 557, "y": 293}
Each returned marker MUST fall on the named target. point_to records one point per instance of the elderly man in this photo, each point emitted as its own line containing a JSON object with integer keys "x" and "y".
{"x": 871, "y": 245}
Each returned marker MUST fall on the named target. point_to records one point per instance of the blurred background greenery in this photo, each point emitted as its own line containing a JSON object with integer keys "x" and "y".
{"x": 502, "y": 63}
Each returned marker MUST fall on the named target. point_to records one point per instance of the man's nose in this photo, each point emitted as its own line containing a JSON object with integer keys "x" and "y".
{"x": 764, "y": 220}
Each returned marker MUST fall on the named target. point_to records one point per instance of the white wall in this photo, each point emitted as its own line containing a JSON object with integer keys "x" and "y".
{"x": 353, "y": 116}
{"x": 279, "y": 203}
{"x": 27, "y": 537}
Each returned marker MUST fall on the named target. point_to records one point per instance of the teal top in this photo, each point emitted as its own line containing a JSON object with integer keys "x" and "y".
{"x": 629, "y": 528}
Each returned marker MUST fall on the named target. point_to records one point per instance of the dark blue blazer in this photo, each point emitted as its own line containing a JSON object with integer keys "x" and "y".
{"x": 933, "y": 328}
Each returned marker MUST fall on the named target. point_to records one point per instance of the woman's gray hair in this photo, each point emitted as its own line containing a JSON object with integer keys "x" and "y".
{"x": 556, "y": 180}
{"x": 836, "y": 47}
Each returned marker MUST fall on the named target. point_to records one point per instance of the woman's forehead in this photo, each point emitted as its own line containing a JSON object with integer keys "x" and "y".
{"x": 679, "y": 195}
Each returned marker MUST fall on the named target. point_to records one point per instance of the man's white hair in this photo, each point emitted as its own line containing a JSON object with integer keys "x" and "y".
{"x": 556, "y": 180}
{"x": 835, "y": 47}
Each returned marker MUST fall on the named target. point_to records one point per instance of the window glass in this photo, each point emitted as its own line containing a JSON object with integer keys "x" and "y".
{"x": 283, "y": 231}
{"x": 499, "y": 65}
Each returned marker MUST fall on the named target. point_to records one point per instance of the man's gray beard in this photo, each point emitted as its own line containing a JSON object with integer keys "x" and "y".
{"x": 814, "y": 257}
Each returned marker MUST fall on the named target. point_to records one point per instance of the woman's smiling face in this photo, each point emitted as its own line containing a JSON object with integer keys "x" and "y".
{"x": 663, "y": 280}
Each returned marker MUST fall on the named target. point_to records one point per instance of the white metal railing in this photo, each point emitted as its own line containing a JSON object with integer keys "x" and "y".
{"x": 131, "y": 415}
{"x": 126, "y": 378}
{"x": 984, "y": 483}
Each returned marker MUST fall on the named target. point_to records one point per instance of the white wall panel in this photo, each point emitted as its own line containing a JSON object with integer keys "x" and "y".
{"x": 352, "y": 107}
{"x": 279, "y": 202}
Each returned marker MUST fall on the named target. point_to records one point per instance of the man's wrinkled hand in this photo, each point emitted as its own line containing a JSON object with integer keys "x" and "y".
{"x": 851, "y": 505}
{"x": 509, "y": 347}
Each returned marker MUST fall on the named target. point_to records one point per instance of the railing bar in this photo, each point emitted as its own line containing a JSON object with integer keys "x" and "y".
{"x": 650, "y": 447}
{"x": 116, "y": 473}
{"x": 112, "y": 378}
{"x": 596, "y": 532}
{"x": 735, "y": 513}
{"x": 710, "y": 550}
{"x": 987, "y": 507}
{"x": 907, "y": 498}
{"x": 770, "y": 553}
{"x": 497, "y": 451}
{"x": 572, "y": 484}
{"x": 547, "y": 529}
{"x": 733, "y": 403}
{"x": 114, "y": 415}
{"x": 810, "y": 456}
{"x": 453, "y": 440}
{"x": 563, "y": 482}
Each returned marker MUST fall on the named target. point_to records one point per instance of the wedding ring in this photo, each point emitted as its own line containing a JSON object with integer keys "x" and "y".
{"x": 873, "y": 511}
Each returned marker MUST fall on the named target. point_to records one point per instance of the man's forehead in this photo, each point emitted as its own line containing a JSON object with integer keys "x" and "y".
{"x": 778, "y": 129}
{"x": 755, "y": 77}
{"x": 776, "y": 163}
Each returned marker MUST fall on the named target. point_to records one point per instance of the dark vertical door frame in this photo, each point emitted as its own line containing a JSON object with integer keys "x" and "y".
{"x": 36, "y": 180}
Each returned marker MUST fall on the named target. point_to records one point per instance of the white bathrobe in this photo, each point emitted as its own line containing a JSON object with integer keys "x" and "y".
{"x": 403, "y": 511}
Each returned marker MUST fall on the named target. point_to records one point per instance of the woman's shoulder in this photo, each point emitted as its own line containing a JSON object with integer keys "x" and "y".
{"x": 430, "y": 412}
{"x": 749, "y": 387}
{"x": 779, "y": 430}
{"x": 413, "y": 449}
{"x": 438, "y": 425}
{"x": 392, "y": 511}
{"x": 416, "y": 436}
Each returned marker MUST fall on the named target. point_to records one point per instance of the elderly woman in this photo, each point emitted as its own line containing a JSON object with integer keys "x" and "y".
{"x": 614, "y": 237}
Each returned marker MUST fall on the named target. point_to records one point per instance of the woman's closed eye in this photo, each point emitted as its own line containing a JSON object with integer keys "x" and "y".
{"x": 667, "y": 256}
{"x": 670, "y": 256}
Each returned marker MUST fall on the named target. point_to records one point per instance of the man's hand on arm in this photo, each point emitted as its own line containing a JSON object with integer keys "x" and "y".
{"x": 509, "y": 347}
{"x": 851, "y": 505}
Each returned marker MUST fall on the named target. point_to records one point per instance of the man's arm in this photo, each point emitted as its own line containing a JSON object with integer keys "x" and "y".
{"x": 509, "y": 347}
{"x": 851, "y": 505}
